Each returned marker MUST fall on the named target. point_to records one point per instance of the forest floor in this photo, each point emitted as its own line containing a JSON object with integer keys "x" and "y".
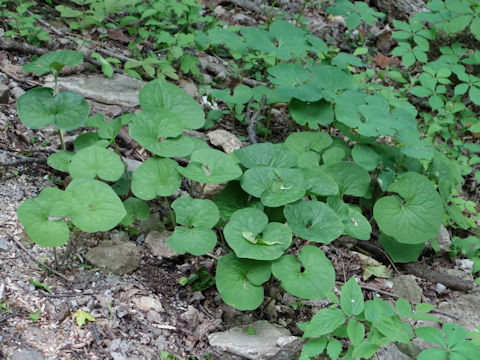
{"x": 147, "y": 312}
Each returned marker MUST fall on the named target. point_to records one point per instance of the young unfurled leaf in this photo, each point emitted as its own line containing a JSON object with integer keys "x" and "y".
{"x": 251, "y": 236}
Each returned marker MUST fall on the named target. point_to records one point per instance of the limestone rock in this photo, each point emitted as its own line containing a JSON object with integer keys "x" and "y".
{"x": 406, "y": 286}
{"x": 156, "y": 241}
{"x": 270, "y": 341}
{"x": 444, "y": 239}
{"x": 467, "y": 307}
{"x": 391, "y": 352}
{"x": 115, "y": 257}
{"x": 226, "y": 140}
{"x": 146, "y": 303}
{"x": 118, "y": 90}
{"x": 154, "y": 222}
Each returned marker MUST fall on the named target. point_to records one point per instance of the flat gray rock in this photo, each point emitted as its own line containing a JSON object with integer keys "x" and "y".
{"x": 118, "y": 90}
{"x": 391, "y": 352}
{"x": 270, "y": 341}
{"x": 116, "y": 257}
{"x": 406, "y": 286}
{"x": 23, "y": 354}
{"x": 156, "y": 241}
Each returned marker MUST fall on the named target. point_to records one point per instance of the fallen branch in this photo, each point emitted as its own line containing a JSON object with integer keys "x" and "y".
{"x": 21, "y": 159}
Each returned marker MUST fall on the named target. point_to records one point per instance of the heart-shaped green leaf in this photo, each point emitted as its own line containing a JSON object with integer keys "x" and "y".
{"x": 274, "y": 186}
{"x": 159, "y": 132}
{"x": 196, "y": 241}
{"x": 354, "y": 223}
{"x": 233, "y": 198}
{"x": 38, "y": 108}
{"x": 304, "y": 141}
{"x": 136, "y": 209}
{"x": 211, "y": 166}
{"x": 54, "y": 62}
{"x": 239, "y": 281}
{"x": 89, "y": 139}
{"x": 314, "y": 282}
{"x": 351, "y": 178}
{"x": 34, "y": 215}
{"x": 400, "y": 252}
{"x": 251, "y": 236}
{"x": 96, "y": 161}
{"x": 416, "y": 216}
{"x": 198, "y": 217}
{"x": 162, "y": 97}
{"x": 196, "y": 212}
{"x": 312, "y": 113}
{"x": 318, "y": 182}
{"x": 266, "y": 154}
{"x": 365, "y": 156}
{"x": 314, "y": 221}
{"x": 156, "y": 177}
{"x": 95, "y": 206}
{"x": 60, "y": 160}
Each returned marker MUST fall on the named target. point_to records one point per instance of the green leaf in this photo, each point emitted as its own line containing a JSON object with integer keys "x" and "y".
{"x": 156, "y": 177}
{"x": 414, "y": 218}
{"x": 365, "y": 350}
{"x": 312, "y": 113}
{"x": 432, "y": 335}
{"x": 475, "y": 28}
{"x": 355, "y": 331}
{"x": 95, "y": 206}
{"x": 404, "y": 308}
{"x": 354, "y": 223}
{"x": 95, "y": 161}
{"x": 424, "y": 308}
{"x": 158, "y": 132}
{"x": 314, "y": 221}
{"x": 233, "y": 198}
{"x": 250, "y": 235}
{"x": 54, "y": 62}
{"x": 324, "y": 322}
{"x": 454, "y": 334}
{"x": 211, "y": 166}
{"x": 89, "y": 139}
{"x": 318, "y": 182}
{"x": 38, "y": 108}
{"x": 196, "y": 212}
{"x": 196, "y": 241}
{"x": 305, "y": 141}
{"x": 34, "y": 215}
{"x": 334, "y": 348}
{"x": 40, "y": 285}
{"x": 413, "y": 146}
{"x": 351, "y": 178}
{"x": 474, "y": 94}
{"x": 60, "y": 160}
{"x": 400, "y": 252}
{"x": 234, "y": 283}
{"x": 266, "y": 154}
{"x": 313, "y": 347}
{"x": 432, "y": 354}
{"x": 351, "y": 298}
{"x": 136, "y": 209}
{"x": 366, "y": 157}
{"x": 162, "y": 97}
{"x": 274, "y": 186}
{"x": 314, "y": 282}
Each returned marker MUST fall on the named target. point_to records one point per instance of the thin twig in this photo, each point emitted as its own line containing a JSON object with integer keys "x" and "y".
{"x": 58, "y": 296}
{"x": 42, "y": 265}
{"x": 22, "y": 159}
